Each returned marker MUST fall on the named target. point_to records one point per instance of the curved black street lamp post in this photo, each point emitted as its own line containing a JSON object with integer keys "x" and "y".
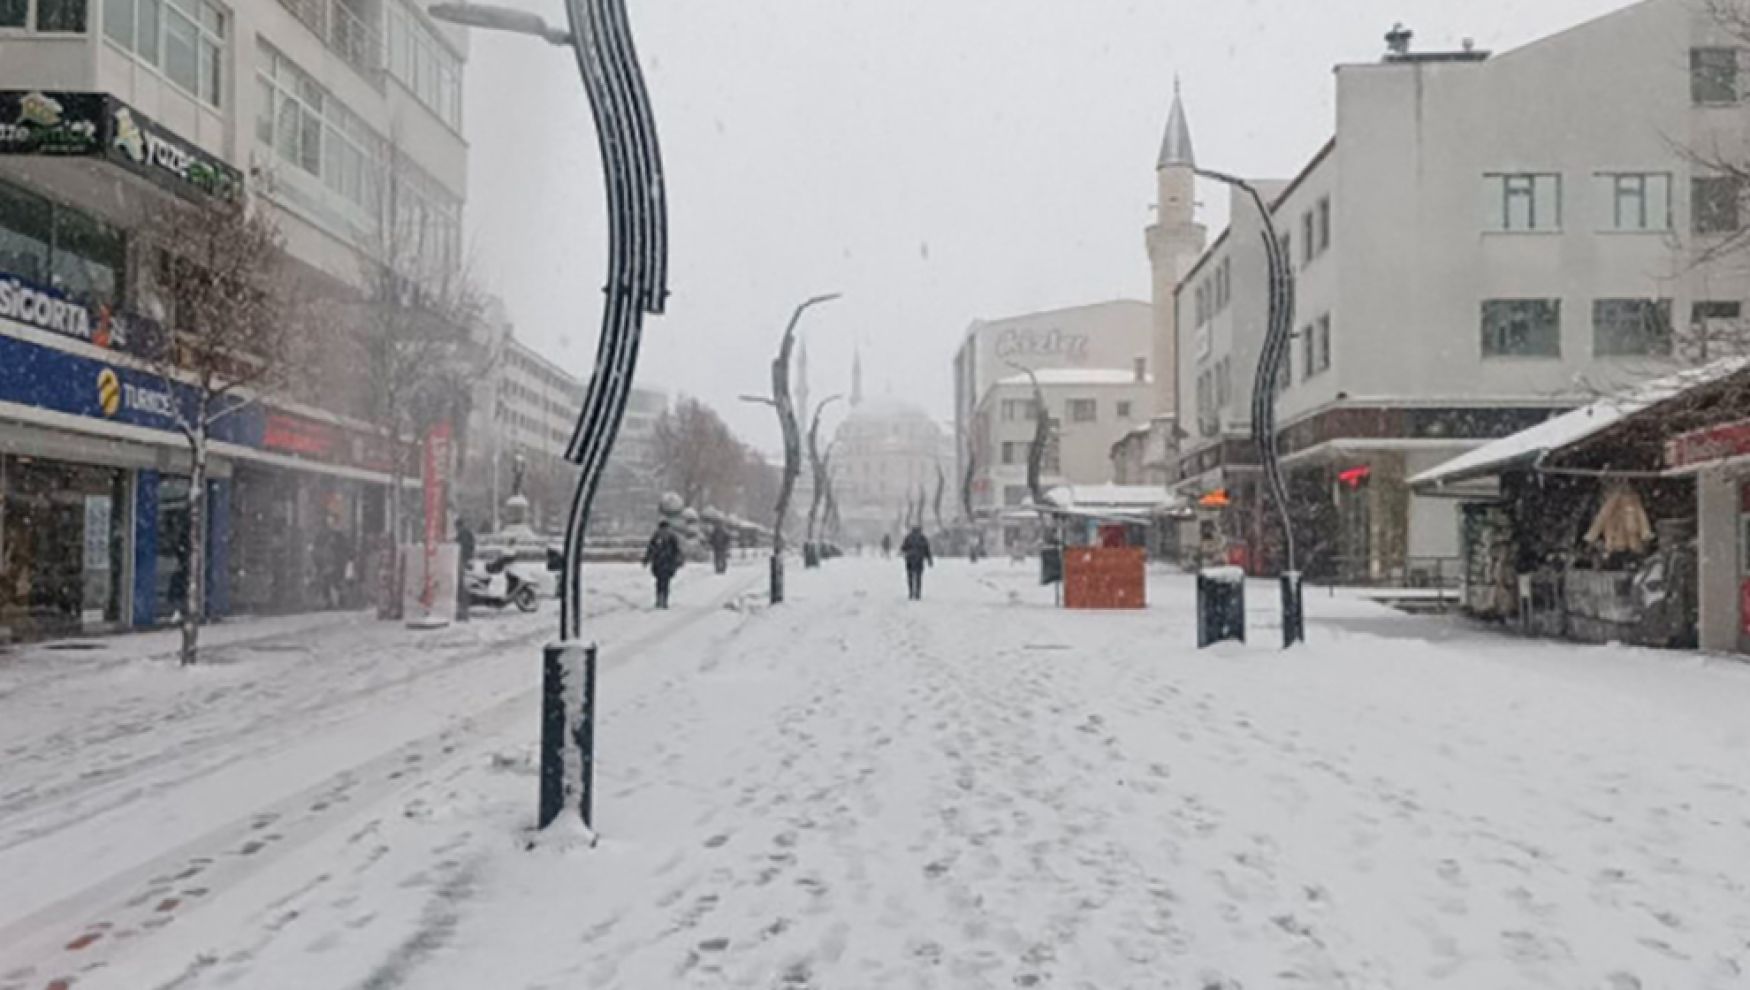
{"x": 781, "y": 401}
{"x": 637, "y": 284}
{"x": 1278, "y": 333}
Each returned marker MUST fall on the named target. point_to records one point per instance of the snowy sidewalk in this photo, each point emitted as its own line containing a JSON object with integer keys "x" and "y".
{"x": 132, "y": 774}
{"x": 979, "y": 790}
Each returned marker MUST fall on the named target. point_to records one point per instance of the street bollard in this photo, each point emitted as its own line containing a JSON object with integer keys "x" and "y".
{"x": 1293, "y": 614}
{"x": 777, "y": 590}
{"x": 568, "y": 732}
{"x": 1221, "y": 605}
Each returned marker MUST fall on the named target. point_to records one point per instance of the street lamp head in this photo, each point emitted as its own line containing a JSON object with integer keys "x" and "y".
{"x": 494, "y": 18}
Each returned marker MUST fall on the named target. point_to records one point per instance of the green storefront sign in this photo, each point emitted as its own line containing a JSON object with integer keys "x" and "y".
{"x": 97, "y": 125}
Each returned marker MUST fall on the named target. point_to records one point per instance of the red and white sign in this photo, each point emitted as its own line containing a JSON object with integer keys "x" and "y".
{"x": 1715, "y": 443}
{"x": 290, "y": 434}
{"x": 437, "y": 461}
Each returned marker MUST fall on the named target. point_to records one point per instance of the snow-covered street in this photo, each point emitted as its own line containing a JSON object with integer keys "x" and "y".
{"x": 851, "y": 790}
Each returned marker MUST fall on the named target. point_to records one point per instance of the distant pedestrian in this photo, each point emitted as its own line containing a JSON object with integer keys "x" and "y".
{"x": 663, "y": 557}
{"x": 720, "y": 547}
{"x": 886, "y": 545}
{"x": 916, "y": 551}
{"x": 464, "y": 557}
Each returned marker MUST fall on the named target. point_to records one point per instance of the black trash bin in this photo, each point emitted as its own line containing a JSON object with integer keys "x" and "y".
{"x": 1221, "y": 605}
{"x": 1050, "y": 565}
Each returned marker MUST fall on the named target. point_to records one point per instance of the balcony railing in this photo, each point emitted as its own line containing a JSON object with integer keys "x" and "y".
{"x": 346, "y": 31}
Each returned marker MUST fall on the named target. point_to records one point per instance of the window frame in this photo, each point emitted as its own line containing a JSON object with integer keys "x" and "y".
{"x": 1082, "y": 410}
{"x": 210, "y": 43}
{"x": 1493, "y": 333}
{"x": 1613, "y": 188}
{"x": 1697, "y": 55}
{"x": 1616, "y": 342}
{"x": 31, "y": 22}
{"x": 1505, "y": 188}
{"x": 1734, "y": 185}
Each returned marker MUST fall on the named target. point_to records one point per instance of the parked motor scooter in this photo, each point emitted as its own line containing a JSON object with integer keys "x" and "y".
{"x": 495, "y": 585}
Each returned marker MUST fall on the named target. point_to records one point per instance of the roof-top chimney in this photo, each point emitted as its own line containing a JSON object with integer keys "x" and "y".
{"x": 1397, "y": 41}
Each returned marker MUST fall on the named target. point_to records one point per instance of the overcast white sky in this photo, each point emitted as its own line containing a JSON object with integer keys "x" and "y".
{"x": 935, "y": 160}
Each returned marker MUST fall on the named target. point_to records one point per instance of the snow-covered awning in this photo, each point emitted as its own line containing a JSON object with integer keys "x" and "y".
{"x": 1080, "y": 376}
{"x": 1140, "y": 499}
{"x": 1527, "y": 447}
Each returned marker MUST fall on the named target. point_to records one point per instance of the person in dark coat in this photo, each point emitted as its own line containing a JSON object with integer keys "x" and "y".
{"x": 720, "y": 547}
{"x": 464, "y": 557}
{"x": 663, "y": 557}
{"x": 886, "y": 545}
{"x": 916, "y": 551}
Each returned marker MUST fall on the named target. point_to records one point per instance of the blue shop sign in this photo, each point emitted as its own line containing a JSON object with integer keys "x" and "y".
{"x": 41, "y": 307}
{"x": 47, "y": 378}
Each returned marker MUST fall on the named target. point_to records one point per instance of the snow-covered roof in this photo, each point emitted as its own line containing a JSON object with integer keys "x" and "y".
{"x": 1571, "y": 427}
{"x": 1080, "y": 376}
{"x": 1132, "y": 497}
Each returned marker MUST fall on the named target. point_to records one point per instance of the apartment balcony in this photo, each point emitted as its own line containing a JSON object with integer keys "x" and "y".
{"x": 349, "y": 28}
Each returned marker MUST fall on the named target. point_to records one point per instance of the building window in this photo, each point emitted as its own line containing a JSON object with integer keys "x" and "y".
{"x": 1714, "y": 201}
{"x": 1083, "y": 411}
{"x": 1324, "y": 224}
{"x": 1631, "y": 327}
{"x": 1224, "y": 277}
{"x": 184, "y": 38}
{"x": 1713, "y": 75}
{"x": 1287, "y": 242}
{"x": 1284, "y": 373}
{"x": 1014, "y": 495}
{"x": 1522, "y": 328}
{"x": 1715, "y": 327}
{"x": 1523, "y": 201}
{"x": 1223, "y": 383}
{"x": 52, "y": 245}
{"x": 60, "y": 16}
{"x": 1308, "y": 237}
{"x": 52, "y": 16}
{"x": 1124, "y": 410}
{"x": 1634, "y": 201}
{"x": 1014, "y": 452}
{"x": 425, "y": 65}
{"x": 1324, "y": 339}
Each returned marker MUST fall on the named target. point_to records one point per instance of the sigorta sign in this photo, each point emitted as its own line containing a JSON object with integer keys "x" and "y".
{"x": 97, "y": 125}
{"x": 40, "y": 307}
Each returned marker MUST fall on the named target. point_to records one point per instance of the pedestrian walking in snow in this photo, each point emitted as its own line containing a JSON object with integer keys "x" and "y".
{"x": 720, "y": 548}
{"x": 663, "y": 557}
{"x": 916, "y": 551}
{"x": 886, "y": 545}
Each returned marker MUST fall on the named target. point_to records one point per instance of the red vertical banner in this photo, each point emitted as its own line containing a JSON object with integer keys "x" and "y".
{"x": 437, "y": 459}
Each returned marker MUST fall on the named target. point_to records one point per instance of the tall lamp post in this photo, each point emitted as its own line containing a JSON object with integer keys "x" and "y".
{"x": 1278, "y": 332}
{"x": 600, "y": 37}
{"x": 787, "y": 422}
{"x": 818, "y": 466}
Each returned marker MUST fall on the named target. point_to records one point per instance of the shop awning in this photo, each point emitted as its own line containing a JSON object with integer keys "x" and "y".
{"x": 1527, "y": 447}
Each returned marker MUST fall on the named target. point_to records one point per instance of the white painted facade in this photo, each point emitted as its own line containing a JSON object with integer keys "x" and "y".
{"x": 1099, "y": 353}
{"x": 1457, "y": 185}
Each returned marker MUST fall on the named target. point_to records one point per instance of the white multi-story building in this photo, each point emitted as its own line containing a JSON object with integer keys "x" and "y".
{"x": 342, "y": 118}
{"x": 1487, "y": 239}
{"x": 1092, "y": 363}
{"x": 524, "y": 409}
